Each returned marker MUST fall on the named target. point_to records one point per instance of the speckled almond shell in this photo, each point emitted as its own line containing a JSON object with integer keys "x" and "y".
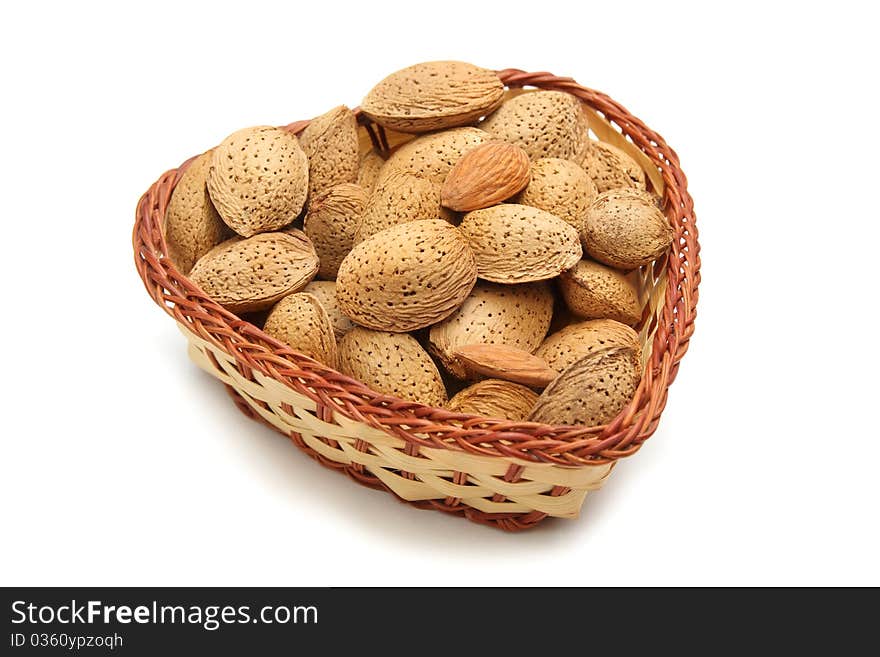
{"x": 391, "y": 363}
{"x": 591, "y": 391}
{"x": 300, "y": 321}
{"x": 258, "y": 180}
{"x": 625, "y": 229}
{"x": 325, "y": 293}
{"x": 331, "y": 223}
{"x": 192, "y": 226}
{"x": 406, "y": 277}
{"x": 594, "y": 291}
{"x": 244, "y": 275}
{"x": 560, "y": 187}
{"x": 575, "y": 341}
{"x": 400, "y": 198}
{"x": 543, "y": 123}
{"x": 496, "y": 399}
{"x": 519, "y": 244}
{"x": 485, "y": 176}
{"x": 514, "y": 315}
{"x": 330, "y": 142}
{"x": 433, "y": 156}
{"x": 433, "y": 96}
{"x": 611, "y": 168}
{"x": 368, "y": 171}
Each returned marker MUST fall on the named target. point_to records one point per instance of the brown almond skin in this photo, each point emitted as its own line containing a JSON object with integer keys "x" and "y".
{"x": 300, "y": 321}
{"x": 625, "y": 229}
{"x": 258, "y": 180}
{"x": 504, "y": 362}
{"x": 560, "y": 187}
{"x": 591, "y": 391}
{"x": 611, "y": 168}
{"x": 594, "y": 291}
{"x": 245, "y": 275}
{"x": 514, "y": 315}
{"x": 370, "y": 165}
{"x": 392, "y": 364}
{"x": 192, "y": 226}
{"x": 330, "y": 142}
{"x": 325, "y": 293}
{"x": 485, "y": 176}
{"x": 543, "y": 123}
{"x": 494, "y": 398}
{"x": 433, "y": 96}
{"x": 575, "y": 341}
{"x": 406, "y": 277}
{"x": 397, "y": 199}
{"x": 433, "y": 156}
{"x": 331, "y": 223}
{"x": 519, "y": 244}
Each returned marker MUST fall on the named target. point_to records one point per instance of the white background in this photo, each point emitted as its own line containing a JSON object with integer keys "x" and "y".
{"x": 122, "y": 464}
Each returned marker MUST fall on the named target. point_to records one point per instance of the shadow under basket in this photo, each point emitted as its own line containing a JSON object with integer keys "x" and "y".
{"x": 508, "y": 474}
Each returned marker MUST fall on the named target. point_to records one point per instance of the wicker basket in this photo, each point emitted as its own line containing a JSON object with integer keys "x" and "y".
{"x": 507, "y": 474}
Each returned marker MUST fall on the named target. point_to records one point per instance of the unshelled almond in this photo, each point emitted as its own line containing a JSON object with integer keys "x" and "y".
{"x": 575, "y": 341}
{"x": 591, "y": 391}
{"x": 368, "y": 170}
{"x": 433, "y": 95}
{"x": 392, "y": 364}
{"x": 258, "y": 180}
{"x": 560, "y": 187}
{"x": 595, "y": 291}
{"x": 433, "y": 156}
{"x": 504, "y": 362}
{"x": 300, "y": 321}
{"x": 330, "y": 142}
{"x": 331, "y": 222}
{"x": 518, "y": 244}
{"x": 494, "y": 398}
{"x": 244, "y": 275}
{"x": 487, "y": 175}
{"x": 611, "y": 167}
{"x": 325, "y": 293}
{"x": 406, "y": 277}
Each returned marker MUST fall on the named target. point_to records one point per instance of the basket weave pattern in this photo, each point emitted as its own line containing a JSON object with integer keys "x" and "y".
{"x": 508, "y": 474}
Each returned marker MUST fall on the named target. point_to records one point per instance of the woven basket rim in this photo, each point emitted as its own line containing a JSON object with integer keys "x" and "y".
{"x": 428, "y": 426}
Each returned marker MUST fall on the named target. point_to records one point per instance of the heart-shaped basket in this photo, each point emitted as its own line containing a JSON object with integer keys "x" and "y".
{"x": 508, "y": 474}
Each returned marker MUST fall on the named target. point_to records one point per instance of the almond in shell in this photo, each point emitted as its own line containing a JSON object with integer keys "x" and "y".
{"x": 514, "y": 315}
{"x": 392, "y": 364}
{"x": 368, "y": 170}
{"x": 433, "y": 96}
{"x": 192, "y": 226}
{"x": 594, "y": 291}
{"x": 244, "y": 275}
{"x": 406, "y": 277}
{"x": 575, "y": 341}
{"x": 331, "y": 223}
{"x": 518, "y": 244}
{"x": 300, "y": 321}
{"x": 494, "y": 398}
{"x": 325, "y": 293}
{"x": 487, "y": 175}
{"x": 258, "y": 180}
{"x": 611, "y": 168}
{"x": 433, "y": 156}
{"x": 330, "y": 142}
{"x": 591, "y": 391}
{"x": 560, "y": 187}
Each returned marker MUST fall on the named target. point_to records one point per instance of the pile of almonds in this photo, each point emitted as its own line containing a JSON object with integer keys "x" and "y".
{"x": 485, "y": 266}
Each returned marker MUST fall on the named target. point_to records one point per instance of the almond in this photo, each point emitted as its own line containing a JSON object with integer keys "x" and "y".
{"x": 504, "y": 362}
{"x": 494, "y": 398}
{"x": 625, "y": 229}
{"x": 487, "y": 175}
{"x": 517, "y": 244}
{"x": 368, "y": 171}
{"x": 575, "y": 341}
{"x": 591, "y": 391}
{"x": 406, "y": 277}
{"x": 392, "y": 364}
{"x": 192, "y": 226}
{"x": 400, "y": 198}
{"x": 244, "y": 275}
{"x": 515, "y": 315}
{"x": 330, "y": 142}
{"x": 300, "y": 321}
{"x": 593, "y": 291}
{"x": 331, "y": 223}
{"x": 543, "y": 123}
{"x": 258, "y": 179}
{"x": 610, "y": 167}
{"x": 560, "y": 187}
{"x": 433, "y": 156}
{"x": 433, "y": 96}
{"x": 325, "y": 293}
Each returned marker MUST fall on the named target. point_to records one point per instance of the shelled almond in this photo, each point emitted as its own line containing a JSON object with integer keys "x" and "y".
{"x": 446, "y": 244}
